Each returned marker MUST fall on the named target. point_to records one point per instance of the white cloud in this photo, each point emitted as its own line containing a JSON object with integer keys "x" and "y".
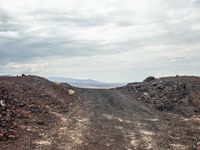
{"x": 9, "y": 34}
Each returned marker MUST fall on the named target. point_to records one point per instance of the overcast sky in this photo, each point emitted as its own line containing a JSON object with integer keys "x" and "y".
{"x": 106, "y": 40}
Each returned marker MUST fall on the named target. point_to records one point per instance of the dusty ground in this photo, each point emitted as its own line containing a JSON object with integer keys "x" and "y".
{"x": 41, "y": 115}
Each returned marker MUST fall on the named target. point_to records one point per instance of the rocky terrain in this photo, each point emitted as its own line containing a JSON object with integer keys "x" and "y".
{"x": 173, "y": 94}
{"x": 36, "y": 114}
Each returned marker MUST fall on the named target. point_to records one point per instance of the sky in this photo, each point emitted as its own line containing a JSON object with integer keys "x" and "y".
{"x": 105, "y": 40}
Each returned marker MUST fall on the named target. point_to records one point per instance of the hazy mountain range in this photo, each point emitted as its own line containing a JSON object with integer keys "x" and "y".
{"x": 85, "y": 83}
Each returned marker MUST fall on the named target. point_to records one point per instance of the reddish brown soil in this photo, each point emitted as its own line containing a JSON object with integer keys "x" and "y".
{"x": 36, "y": 114}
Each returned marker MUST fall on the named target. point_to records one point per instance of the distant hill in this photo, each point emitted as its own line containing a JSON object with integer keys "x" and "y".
{"x": 85, "y": 83}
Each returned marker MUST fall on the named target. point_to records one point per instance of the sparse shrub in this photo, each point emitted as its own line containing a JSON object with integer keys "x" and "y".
{"x": 57, "y": 83}
{"x": 150, "y": 78}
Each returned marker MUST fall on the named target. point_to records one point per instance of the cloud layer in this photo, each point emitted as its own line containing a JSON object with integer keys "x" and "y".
{"x": 110, "y": 40}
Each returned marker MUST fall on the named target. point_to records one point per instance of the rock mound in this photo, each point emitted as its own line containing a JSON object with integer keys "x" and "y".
{"x": 177, "y": 94}
{"x": 26, "y": 101}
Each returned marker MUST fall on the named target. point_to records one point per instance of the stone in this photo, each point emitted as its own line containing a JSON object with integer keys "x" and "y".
{"x": 2, "y": 103}
{"x": 40, "y": 122}
{"x": 71, "y": 92}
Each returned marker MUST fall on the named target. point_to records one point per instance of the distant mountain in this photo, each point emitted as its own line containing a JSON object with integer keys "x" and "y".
{"x": 87, "y": 83}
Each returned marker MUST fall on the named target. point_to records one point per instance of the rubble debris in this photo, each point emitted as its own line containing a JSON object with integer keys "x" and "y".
{"x": 7, "y": 125}
{"x": 168, "y": 94}
{"x": 23, "y": 101}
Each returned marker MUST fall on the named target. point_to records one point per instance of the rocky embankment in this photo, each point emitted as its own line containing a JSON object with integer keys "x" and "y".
{"x": 173, "y": 94}
{"x": 26, "y": 102}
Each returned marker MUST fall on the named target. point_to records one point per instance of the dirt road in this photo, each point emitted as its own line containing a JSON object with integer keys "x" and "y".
{"x": 117, "y": 122}
{"x": 121, "y": 123}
